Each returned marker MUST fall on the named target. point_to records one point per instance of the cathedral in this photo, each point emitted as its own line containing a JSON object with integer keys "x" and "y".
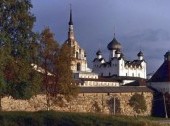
{"x": 117, "y": 65}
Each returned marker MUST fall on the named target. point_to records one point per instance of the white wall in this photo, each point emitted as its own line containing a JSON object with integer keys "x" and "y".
{"x": 100, "y": 84}
{"x": 161, "y": 86}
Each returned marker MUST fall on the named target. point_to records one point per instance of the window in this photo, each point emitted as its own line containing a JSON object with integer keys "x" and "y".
{"x": 109, "y": 74}
{"x": 133, "y": 74}
{"x": 78, "y": 67}
{"x": 138, "y": 74}
{"x": 101, "y": 74}
{"x": 126, "y": 74}
{"x": 77, "y": 55}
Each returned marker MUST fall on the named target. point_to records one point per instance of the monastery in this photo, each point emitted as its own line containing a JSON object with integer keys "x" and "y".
{"x": 115, "y": 72}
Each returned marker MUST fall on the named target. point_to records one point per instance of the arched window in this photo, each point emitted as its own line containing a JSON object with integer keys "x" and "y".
{"x": 78, "y": 66}
{"x": 77, "y": 55}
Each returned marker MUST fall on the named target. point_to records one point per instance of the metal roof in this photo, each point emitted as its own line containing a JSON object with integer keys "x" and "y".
{"x": 162, "y": 74}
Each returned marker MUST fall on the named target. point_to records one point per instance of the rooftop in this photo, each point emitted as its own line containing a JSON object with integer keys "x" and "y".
{"x": 122, "y": 89}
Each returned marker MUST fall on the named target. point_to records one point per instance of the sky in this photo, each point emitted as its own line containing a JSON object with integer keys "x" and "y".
{"x": 138, "y": 24}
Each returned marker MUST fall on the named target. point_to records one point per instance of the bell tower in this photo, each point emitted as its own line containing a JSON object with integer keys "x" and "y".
{"x": 79, "y": 62}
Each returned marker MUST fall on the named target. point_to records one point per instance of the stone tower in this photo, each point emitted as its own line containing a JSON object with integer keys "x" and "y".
{"x": 79, "y": 64}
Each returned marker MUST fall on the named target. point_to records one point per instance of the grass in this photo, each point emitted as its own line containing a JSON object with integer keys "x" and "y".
{"x": 51, "y": 118}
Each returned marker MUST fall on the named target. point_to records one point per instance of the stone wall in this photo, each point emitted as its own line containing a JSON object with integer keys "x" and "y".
{"x": 84, "y": 102}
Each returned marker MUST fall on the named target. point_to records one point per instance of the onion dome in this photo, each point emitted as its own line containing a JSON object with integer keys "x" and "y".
{"x": 98, "y": 52}
{"x": 118, "y": 51}
{"x": 114, "y": 44}
{"x": 140, "y": 54}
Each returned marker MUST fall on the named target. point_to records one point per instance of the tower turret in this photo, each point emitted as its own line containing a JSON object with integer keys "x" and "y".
{"x": 140, "y": 55}
{"x": 99, "y": 54}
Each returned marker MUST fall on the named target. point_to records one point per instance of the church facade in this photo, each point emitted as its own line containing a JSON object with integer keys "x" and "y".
{"x": 117, "y": 65}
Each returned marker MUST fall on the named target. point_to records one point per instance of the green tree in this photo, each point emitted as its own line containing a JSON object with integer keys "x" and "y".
{"x": 65, "y": 76}
{"x": 56, "y": 63}
{"x": 16, "y": 23}
{"x": 48, "y": 53}
{"x": 138, "y": 103}
{"x": 4, "y": 56}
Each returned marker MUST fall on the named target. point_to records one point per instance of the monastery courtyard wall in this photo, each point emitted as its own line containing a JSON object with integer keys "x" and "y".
{"x": 85, "y": 102}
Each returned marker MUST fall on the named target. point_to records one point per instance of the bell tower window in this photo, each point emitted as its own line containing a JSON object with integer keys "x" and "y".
{"x": 77, "y": 55}
{"x": 78, "y": 66}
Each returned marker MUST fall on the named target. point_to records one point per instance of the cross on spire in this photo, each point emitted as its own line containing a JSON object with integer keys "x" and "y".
{"x": 114, "y": 32}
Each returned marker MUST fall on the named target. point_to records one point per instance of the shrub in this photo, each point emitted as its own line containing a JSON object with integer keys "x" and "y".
{"x": 138, "y": 103}
{"x": 95, "y": 107}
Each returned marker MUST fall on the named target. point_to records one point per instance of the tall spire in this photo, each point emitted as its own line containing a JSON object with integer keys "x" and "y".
{"x": 71, "y": 31}
{"x": 70, "y": 22}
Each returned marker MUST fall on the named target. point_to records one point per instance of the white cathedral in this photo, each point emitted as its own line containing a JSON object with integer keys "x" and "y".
{"x": 104, "y": 72}
{"x": 117, "y": 65}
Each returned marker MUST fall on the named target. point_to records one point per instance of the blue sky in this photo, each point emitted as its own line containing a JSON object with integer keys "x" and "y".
{"x": 139, "y": 25}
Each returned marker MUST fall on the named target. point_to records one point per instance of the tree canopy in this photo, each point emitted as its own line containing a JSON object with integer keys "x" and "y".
{"x": 16, "y": 41}
{"x": 31, "y": 61}
{"x": 56, "y": 63}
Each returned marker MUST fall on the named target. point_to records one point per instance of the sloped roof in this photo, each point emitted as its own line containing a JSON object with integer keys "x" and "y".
{"x": 134, "y": 63}
{"x": 97, "y": 59}
{"x": 162, "y": 74}
{"x": 122, "y": 89}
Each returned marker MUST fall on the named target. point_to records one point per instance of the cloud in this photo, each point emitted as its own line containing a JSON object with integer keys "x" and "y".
{"x": 140, "y": 25}
{"x": 151, "y": 41}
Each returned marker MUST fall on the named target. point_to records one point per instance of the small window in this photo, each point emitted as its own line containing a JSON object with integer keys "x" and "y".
{"x": 126, "y": 74}
{"x": 78, "y": 66}
{"x": 77, "y": 55}
{"x": 101, "y": 74}
{"x": 109, "y": 73}
{"x": 138, "y": 74}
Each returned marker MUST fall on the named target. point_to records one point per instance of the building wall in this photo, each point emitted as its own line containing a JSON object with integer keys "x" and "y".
{"x": 119, "y": 68}
{"x": 85, "y": 75}
{"x": 161, "y": 86}
{"x": 85, "y": 102}
{"x": 100, "y": 84}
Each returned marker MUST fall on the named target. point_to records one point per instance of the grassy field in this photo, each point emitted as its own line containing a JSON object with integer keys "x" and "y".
{"x": 52, "y": 118}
